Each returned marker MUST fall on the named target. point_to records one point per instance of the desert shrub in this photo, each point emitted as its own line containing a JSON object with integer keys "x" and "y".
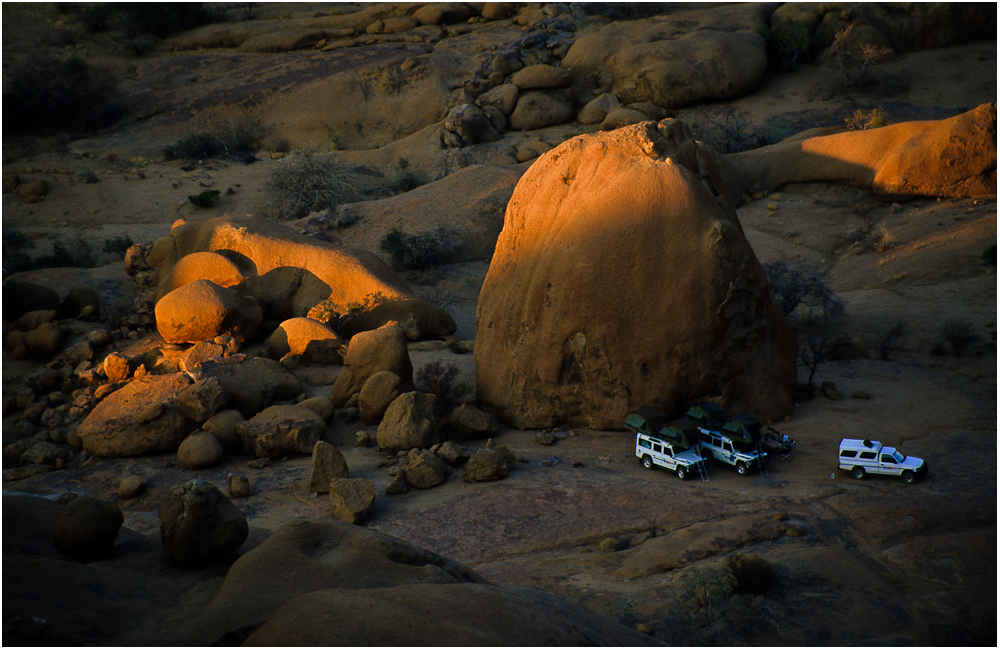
{"x": 889, "y": 337}
{"x": 789, "y": 39}
{"x": 162, "y": 18}
{"x": 856, "y": 63}
{"x": 729, "y": 132}
{"x": 370, "y": 302}
{"x": 884, "y": 239}
{"x": 307, "y": 181}
{"x": 204, "y": 199}
{"x": 404, "y": 179}
{"x": 862, "y": 120}
{"x": 438, "y": 245}
{"x": 989, "y": 256}
{"x": 194, "y": 146}
{"x": 118, "y": 245}
{"x": 625, "y": 10}
{"x": 960, "y": 335}
{"x": 753, "y": 573}
{"x": 45, "y": 92}
{"x": 15, "y": 251}
{"x": 225, "y": 136}
{"x": 441, "y": 379}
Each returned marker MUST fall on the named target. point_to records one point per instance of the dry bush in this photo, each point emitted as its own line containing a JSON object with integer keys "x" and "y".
{"x": 441, "y": 379}
{"x": 307, "y": 181}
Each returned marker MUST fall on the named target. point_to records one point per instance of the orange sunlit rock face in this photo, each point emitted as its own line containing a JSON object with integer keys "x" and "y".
{"x": 952, "y": 158}
{"x": 622, "y": 279}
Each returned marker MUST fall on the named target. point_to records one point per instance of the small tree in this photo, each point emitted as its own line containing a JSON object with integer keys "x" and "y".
{"x": 888, "y": 339}
{"x": 960, "y": 334}
{"x": 811, "y": 306}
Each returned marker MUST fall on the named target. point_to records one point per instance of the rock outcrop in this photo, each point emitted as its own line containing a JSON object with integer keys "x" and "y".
{"x": 673, "y": 60}
{"x": 312, "y": 270}
{"x": 622, "y": 279}
{"x": 952, "y": 158}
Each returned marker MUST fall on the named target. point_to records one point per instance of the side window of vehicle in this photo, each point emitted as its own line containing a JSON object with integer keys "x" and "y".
{"x": 848, "y": 453}
{"x": 656, "y": 447}
{"x": 644, "y": 443}
{"x": 727, "y": 446}
{"x": 886, "y": 458}
{"x": 867, "y": 455}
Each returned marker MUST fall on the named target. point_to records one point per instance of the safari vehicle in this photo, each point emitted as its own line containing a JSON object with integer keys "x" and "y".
{"x": 735, "y": 442}
{"x": 674, "y": 446}
{"x": 863, "y": 457}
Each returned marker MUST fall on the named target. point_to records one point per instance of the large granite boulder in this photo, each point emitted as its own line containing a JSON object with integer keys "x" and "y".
{"x": 141, "y": 417}
{"x": 673, "y": 60}
{"x": 311, "y": 339}
{"x": 87, "y": 528}
{"x": 951, "y": 158}
{"x": 224, "y": 268}
{"x": 623, "y": 279}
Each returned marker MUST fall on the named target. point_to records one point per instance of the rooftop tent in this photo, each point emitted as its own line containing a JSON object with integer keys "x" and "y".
{"x": 709, "y": 415}
{"x": 682, "y": 432}
{"x": 744, "y": 428}
{"x": 647, "y": 420}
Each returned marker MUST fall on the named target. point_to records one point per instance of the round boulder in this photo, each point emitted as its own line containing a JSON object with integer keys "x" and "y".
{"x": 202, "y": 310}
{"x": 199, "y": 525}
{"x": 86, "y": 528}
{"x": 536, "y": 110}
{"x": 315, "y": 341}
{"x": 200, "y": 449}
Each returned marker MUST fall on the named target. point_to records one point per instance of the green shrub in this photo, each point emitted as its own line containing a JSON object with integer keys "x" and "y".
{"x": 205, "y": 199}
{"x": 45, "y": 92}
{"x": 118, "y": 245}
{"x": 439, "y": 245}
{"x": 862, "y": 120}
{"x": 162, "y": 18}
{"x": 194, "y": 146}
{"x": 307, "y": 181}
{"x": 789, "y": 39}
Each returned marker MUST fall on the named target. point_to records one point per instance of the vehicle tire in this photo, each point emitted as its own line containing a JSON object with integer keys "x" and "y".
{"x": 859, "y": 472}
{"x": 682, "y": 473}
{"x": 741, "y": 468}
{"x": 909, "y": 477}
{"x": 647, "y": 462}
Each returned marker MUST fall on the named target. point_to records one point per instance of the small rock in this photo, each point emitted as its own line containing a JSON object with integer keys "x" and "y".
{"x": 424, "y": 469}
{"x": 239, "y": 486}
{"x": 860, "y": 394}
{"x": 131, "y": 486}
{"x": 327, "y": 464}
{"x": 199, "y": 525}
{"x": 397, "y": 485}
{"x": 362, "y": 439}
{"x": 545, "y": 438}
{"x": 352, "y": 498}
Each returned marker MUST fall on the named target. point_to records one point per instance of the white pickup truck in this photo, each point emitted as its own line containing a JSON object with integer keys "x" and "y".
{"x": 863, "y": 457}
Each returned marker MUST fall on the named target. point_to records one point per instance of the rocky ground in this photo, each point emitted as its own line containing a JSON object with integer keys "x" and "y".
{"x": 872, "y": 561}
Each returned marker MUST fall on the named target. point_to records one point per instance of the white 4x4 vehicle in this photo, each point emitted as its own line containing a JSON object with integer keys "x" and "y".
{"x": 673, "y": 446}
{"x": 742, "y": 456}
{"x": 861, "y": 457}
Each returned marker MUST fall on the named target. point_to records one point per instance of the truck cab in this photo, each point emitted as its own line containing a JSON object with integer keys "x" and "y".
{"x": 863, "y": 457}
{"x": 673, "y": 446}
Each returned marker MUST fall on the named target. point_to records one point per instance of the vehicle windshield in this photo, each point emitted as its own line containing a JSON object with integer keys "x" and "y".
{"x": 898, "y": 457}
